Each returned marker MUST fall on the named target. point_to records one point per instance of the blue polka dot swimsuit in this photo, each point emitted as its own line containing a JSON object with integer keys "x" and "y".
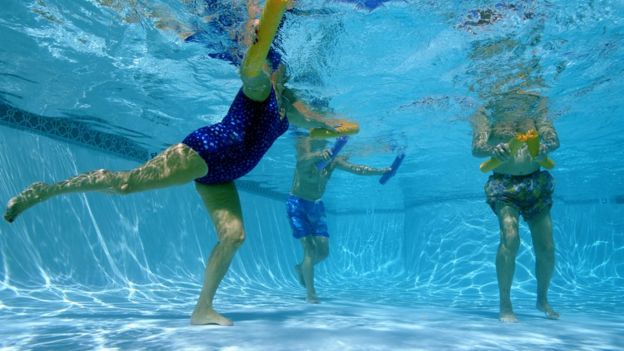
{"x": 234, "y": 146}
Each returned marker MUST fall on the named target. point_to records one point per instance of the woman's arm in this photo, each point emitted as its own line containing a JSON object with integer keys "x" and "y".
{"x": 302, "y": 115}
{"x": 343, "y": 164}
{"x": 256, "y": 81}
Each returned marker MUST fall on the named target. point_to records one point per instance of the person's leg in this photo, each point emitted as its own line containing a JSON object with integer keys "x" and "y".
{"x": 315, "y": 250}
{"x": 544, "y": 246}
{"x": 321, "y": 248}
{"x": 176, "y": 165}
{"x": 223, "y": 204}
{"x": 506, "y": 258}
{"x": 307, "y": 268}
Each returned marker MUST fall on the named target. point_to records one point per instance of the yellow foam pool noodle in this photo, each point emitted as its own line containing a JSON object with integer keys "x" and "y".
{"x": 531, "y": 138}
{"x": 345, "y": 128}
{"x": 269, "y": 22}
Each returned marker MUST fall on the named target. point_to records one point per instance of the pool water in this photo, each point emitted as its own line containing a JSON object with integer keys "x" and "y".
{"x": 97, "y": 84}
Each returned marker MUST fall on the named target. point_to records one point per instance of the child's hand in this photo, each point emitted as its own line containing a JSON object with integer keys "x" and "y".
{"x": 325, "y": 154}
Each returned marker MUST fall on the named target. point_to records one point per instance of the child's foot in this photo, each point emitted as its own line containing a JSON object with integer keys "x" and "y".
{"x": 209, "y": 316}
{"x": 25, "y": 200}
{"x": 548, "y": 310}
{"x": 312, "y": 299}
{"x": 299, "y": 275}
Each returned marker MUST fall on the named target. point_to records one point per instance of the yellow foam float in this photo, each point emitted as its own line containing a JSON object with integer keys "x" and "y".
{"x": 531, "y": 139}
{"x": 345, "y": 128}
{"x": 255, "y": 59}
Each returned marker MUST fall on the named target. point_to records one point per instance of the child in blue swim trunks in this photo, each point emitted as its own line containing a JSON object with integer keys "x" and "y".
{"x": 306, "y": 211}
{"x": 519, "y": 187}
{"x": 213, "y": 156}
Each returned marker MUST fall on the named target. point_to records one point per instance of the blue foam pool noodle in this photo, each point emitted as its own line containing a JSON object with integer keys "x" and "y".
{"x": 395, "y": 165}
{"x": 340, "y": 143}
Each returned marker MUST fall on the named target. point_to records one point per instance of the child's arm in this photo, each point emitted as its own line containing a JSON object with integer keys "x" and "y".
{"x": 343, "y": 164}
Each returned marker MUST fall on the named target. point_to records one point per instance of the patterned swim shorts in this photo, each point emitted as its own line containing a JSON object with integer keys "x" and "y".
{"x": 530, "y": 194}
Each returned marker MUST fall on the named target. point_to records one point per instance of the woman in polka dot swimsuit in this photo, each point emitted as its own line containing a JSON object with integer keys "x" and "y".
{"x": 214, "y": 156}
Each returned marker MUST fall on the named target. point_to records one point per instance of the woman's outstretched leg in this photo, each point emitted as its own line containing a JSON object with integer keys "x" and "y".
{"x": 223, "y": 204}
{"x": 176, "y": 165}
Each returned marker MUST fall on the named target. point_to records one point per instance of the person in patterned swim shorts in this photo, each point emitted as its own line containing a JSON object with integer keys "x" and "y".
{"x": 518, "y": 187}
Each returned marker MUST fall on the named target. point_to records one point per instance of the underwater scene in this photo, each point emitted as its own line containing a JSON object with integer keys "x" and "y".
{"x": 311, "y": 174}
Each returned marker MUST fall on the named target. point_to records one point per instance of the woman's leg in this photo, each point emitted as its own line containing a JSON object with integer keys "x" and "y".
{"x": 506, "y": 258}
{"x": 544, "y": 247}
{"x": 223, "y": 205}
{"x": 176, "y": 165}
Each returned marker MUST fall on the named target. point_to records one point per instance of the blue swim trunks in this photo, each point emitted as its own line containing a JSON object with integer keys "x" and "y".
{"x": 530, "y": 194}
{"x": 306, "y": 217}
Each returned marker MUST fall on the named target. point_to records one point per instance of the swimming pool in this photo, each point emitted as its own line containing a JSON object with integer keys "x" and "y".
{"x": 87, "y": 86}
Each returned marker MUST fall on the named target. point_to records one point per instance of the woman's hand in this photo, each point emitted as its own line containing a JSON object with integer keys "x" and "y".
{"x": 331, "y": 124}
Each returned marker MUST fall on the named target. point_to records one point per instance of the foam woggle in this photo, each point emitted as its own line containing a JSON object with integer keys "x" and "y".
{"x": 345, "y": 128}
{"x": 531, "y": 139}
{"x": 269, "y": 23}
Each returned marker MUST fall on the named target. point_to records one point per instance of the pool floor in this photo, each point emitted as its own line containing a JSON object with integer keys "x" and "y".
{"x": 335, "y": 324}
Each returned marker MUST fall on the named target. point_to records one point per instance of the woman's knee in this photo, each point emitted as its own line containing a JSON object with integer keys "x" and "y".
{"x": 233, "y": 236}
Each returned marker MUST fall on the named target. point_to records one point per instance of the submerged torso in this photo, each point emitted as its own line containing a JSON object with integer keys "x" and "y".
{"x": 234, "y": 146}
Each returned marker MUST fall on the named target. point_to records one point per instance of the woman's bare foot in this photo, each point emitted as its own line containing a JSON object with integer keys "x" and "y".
{"x": 548, "y": 310}
{"x": 209, "y": 316}
{"x": 29, "y": 197}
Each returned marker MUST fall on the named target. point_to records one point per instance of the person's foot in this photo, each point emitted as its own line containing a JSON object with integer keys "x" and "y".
{"x": 506, "y": 314}
{"x": 25, "y": 200}
{"x": 312, "y": 299}
{"x": 548, "y": 310}
{"x": 209, "y": 316}
{"x": 508, "y": 317}
{"x": 299, "y": 275}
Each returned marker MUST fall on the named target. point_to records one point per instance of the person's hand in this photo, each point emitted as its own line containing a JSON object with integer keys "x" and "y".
{"x": 325, "y": 154}
{"x": 502, "y": 152}
{"x": 250, "y": 36}
{"x": 387, "y": 170}
{"x": 539, "y": 158}
{"x": 332, "y": 124}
